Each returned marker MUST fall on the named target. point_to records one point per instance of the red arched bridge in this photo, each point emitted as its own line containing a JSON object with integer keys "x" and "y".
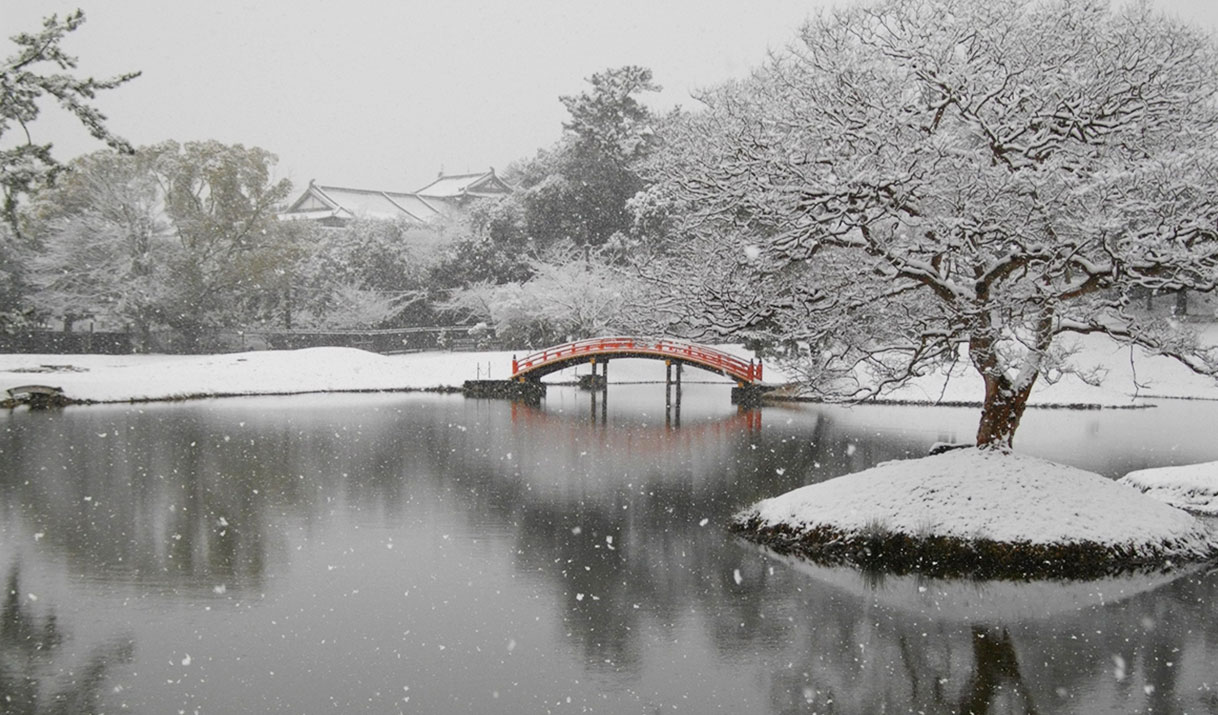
{"x": 525, "y": 382}
{"x": 534, "y": 367}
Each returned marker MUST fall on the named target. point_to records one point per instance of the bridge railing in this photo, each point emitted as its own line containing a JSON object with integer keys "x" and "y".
{"x": 709, "y": 357}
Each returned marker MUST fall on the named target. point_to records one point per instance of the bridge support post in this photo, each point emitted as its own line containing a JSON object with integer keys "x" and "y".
{"x": 668, "y": 392}
{"x": 672, "y": 408}
{"x": 604, "y": 392}
{"x": 595, "y": 383}
{"x": 676, "y": 407}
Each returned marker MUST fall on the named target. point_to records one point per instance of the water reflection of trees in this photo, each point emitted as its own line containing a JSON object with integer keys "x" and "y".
{"x": 36, "y": 675}
{"x": 1150, "y": 653}
{"x": 186, "y": 497}
{"x": 131, "y": 497}
{"x": 825, "y": 651}
{"x": 191, "y": 496}
{"x": 628, "y": 524}
{"x": 622, "y": 525}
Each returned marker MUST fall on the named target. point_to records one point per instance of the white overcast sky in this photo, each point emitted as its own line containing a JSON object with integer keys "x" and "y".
{"x": 386, "y": 93}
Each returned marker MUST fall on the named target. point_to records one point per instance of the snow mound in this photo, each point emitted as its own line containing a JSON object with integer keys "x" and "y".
{"x": 958, "y": 511}
{"x": 1193, "y": 486}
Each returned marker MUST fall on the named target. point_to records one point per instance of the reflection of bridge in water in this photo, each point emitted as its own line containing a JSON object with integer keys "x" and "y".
{"x": 528, "y": 371}
{"x": 745, "y": 420}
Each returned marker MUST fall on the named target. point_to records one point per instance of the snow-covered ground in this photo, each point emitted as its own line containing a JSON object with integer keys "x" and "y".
{"x": 123, "y": 378}
{"x": 1130, "y": 378}
{"x": 1192, "y": 486}
{"x": 120, "y": 378}
{"x": 971, "y": 495}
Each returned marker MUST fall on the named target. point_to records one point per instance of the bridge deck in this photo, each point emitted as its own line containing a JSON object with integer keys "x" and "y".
{"x": 556, "y": 358}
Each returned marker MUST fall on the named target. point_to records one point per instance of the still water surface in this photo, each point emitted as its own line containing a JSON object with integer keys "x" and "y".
{"x": 431, "y": 554}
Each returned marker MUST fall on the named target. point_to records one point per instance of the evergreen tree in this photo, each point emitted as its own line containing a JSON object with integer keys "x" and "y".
{"x": 40, "y": 68}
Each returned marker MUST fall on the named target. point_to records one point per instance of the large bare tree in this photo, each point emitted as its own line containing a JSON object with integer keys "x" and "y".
{"x": 917, "y": 180}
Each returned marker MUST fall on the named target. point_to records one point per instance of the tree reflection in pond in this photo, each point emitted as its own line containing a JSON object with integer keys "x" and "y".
{"x": 37, "y": 676}
{"x": 339, "y": 550}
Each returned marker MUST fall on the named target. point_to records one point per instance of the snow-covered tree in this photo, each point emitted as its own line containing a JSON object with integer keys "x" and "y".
{"x": 41, "y": 69}
{"x": 220, "y": 200}
{"x": 176, "y": 235}
{"x": 350, "y": 307}
{"x": 104, "y": 242}
{"x": 12, "y": 282}
{"x": 565, "y": 299}
{"x": 572, "y": 194}
{"x": 609, "y": 120}
{"x": 576, "y": 191}
{"x": 367, "y": 274}
{"x": 916, "y": 180}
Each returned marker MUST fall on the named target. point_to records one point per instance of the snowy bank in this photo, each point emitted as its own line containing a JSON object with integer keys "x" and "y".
{"x": 1129, "y": 376}
{"x": 122, "y": 378}
{"x": 1193, "y": 487}
{"x": 978, "y": 513}
{"x": 135, "y": 378}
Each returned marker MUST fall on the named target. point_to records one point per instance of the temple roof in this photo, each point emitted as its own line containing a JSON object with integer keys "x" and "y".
{"x": 484, "y": 184}
{"x": 439, "y": 198}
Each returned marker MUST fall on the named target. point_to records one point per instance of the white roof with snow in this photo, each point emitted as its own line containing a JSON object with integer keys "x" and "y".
{"x": 324, "y": 202}
{"x": 484, "y": 184}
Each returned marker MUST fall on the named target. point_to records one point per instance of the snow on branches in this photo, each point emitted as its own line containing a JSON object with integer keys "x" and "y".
{"x": 916, "y": 176}
{"x": 40, "y": 68}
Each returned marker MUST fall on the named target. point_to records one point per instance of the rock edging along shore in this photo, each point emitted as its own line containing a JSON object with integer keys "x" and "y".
{"x": 978, "y": 513}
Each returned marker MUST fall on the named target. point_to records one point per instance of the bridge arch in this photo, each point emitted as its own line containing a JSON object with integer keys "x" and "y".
{"x": 552, "y": 359}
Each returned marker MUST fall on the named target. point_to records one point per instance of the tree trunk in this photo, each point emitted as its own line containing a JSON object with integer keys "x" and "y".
{"x": 143, "y": 335}
{"x": 1001, "y": 412}
{"x": 997, "y": 682}
{"x": 287, "y": 308}
{"x": 1181, "y": 303}
{"x": 1004, "y": 402}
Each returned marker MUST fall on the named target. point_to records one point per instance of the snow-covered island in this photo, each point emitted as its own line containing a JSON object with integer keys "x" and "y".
{"x": 1192, "y": 487}
{"x": 979, "y": 513}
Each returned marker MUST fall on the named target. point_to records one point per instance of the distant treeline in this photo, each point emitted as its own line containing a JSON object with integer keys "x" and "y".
{"x": 58, "y": 342}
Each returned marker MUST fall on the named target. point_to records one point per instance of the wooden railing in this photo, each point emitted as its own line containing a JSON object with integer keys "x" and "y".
{"x": 701, "y": 355}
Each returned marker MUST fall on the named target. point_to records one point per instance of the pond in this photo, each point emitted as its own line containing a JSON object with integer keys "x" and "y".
{"x": 432, "y": 554}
